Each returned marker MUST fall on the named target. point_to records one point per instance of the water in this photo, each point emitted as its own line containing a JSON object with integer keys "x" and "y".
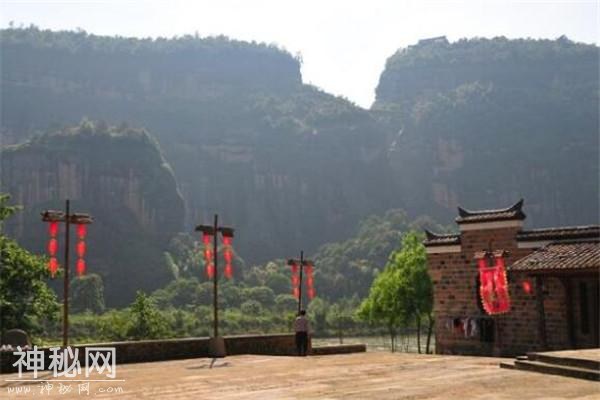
{"x": 405, "y": 343}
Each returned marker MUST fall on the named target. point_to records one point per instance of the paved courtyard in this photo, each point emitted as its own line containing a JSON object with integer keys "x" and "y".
{"x": 374, "y": 375}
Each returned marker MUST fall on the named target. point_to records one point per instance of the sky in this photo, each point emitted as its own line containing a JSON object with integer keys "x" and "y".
{"x": 344, "y": 43}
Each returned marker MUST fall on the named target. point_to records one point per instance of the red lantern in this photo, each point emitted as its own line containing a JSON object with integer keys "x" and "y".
{"x": 228, "y": 271}
{"x": 311, "y": 293}
{"x": 53, "y": 266}
{"x": 80, "y": 267}
{"x": 81, "y": 249}
{"x": 296, "y": 292}
{"x": 308, "y": 269}
{"x": 295, "y": 280}
{"x": 227, "y": 256}
{"x": 206, "y": 238}
{"x": 52, "y": 247}
{"x": 81, "y": 231}
{"x": 210, "y": 270}
{"x": 226, "y": 241}
{"x": 527, "y": 288}
{"x": 53, "y": 228}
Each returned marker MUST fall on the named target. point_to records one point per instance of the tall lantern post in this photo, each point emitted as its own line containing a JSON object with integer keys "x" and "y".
{"x": 80, "y": 220}
{"x": 301, "y": 267}
{"x": 217, "y": 343}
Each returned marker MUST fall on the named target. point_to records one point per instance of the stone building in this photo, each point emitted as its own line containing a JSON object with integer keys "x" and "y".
{"x": 552, "y": 276}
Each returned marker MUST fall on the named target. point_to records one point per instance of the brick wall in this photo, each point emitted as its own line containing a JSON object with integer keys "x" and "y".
{"x": 454, "y": 276}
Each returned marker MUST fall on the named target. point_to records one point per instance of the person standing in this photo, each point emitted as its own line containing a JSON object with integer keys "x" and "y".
{"x": 302, "y": 329}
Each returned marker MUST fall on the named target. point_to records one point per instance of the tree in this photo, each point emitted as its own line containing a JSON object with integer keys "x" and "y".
{"x": 317, "y": 313}
{"x": 403, "y": 291}
{"x": 382, "y": 305}
{"x": 146, "y": 320}
{"x": 286, "y": 303}
{"x": 415, "y": 292}
{"x": 25, "y": 299}
{"x": 339, "y": 316}
{"x": 87, "y": 293}
{"x": 262, "y": 294}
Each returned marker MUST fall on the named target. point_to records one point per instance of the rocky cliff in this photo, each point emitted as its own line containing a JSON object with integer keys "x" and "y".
{"x": 483, "y": 122}
{"x": 117, "y": 175}
{"x": 290, "y": 167}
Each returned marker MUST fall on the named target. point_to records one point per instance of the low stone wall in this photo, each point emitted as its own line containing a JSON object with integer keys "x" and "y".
{"x": 176, "y": 349}
{"x": 338, "y": 349}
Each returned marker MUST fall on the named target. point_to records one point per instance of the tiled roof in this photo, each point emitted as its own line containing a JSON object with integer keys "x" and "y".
{"x": 560, "y": 233}
{"x": 561, "y": 257}
{"x": 513, "y": 212}
{"x": 434, "y": 239}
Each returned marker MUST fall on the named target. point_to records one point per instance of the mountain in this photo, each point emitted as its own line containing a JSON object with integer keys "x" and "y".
{"x": 483, "y": 122}
{"x": 288, "y": 166}
{"x": 120, "y": 177}
{"x": 478, "y": 122}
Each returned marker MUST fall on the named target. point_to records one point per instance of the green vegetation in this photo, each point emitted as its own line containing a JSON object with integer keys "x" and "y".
{"x": 402, "y": 293}
{"x": 26, "y": 302}
{"x": 483, "y": 122}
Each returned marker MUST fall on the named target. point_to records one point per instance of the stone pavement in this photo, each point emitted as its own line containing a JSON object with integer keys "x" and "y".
{"x": 374, "y": 375}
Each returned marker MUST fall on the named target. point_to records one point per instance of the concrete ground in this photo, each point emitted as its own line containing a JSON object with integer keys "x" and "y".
{"x": 355, "y": 376}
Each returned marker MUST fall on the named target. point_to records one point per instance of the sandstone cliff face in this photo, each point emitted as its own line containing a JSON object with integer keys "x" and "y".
{"x": 120, "y": 178}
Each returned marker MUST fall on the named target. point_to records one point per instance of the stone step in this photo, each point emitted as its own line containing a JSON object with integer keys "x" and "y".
{"x": 546, "y": 358}
{"x": 556, "y": 369}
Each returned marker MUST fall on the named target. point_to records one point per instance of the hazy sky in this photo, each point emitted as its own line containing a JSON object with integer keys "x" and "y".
{"x": 344, "y": 43}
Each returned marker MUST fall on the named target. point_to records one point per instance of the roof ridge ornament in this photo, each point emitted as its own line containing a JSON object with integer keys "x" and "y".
{"x": 512, "y": 213}
{"x": 517, "y": 207}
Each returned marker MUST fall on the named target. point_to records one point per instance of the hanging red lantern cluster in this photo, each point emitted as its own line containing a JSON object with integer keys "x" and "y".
{"x": 493, "y": 287}
{"x": 53, "y": 247}
{"x": 81, "y": 248}
{"x": 228, "y": 256}
{"x": 208, "y": 254}
{"x": 295, "y": 279}
{"x": 310, "y": 288}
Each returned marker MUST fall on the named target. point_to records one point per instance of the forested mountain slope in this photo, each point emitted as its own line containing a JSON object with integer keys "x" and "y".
{"x": 483, "y": 122}
{"x": 287, "y": 165}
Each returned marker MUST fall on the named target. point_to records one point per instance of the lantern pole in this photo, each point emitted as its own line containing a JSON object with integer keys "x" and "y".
{"x": 215, "y": 285}
{"x": 217, "y": 344}
{"x": 54, "y": 216}
{"x": 300, "y": 284}
{"x": 66, "y": 278}
{"x": 302, "y": 263}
